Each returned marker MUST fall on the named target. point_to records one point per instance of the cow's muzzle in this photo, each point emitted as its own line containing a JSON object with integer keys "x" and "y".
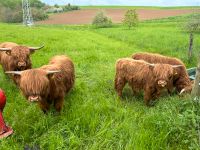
{"x": 21, "y": 64}
{"x": 162, "y": 83}
{"x": 34, "y": 98}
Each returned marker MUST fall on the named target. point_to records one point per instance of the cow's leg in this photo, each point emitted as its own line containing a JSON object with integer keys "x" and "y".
{"x": 44, "y": 105}
{"x": 119, "y": 85}
{"x": 147, "y": 96}
{"x": 135, "y": 92}
{"x": 155, "y": 93}
{"x": 58, "y": 104}
{"x": 170, "y": 91}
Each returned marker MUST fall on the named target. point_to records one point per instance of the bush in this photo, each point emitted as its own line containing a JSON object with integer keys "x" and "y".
{"x": 101, "y": 20}
{"x": 131, "y": 18}
{"x": 187, "y": 128}
{"x": 69, "y": 7}
{"x": 37, "y": 4}
{"x": 9, "y": 15}
{"x": 39, "y": 14}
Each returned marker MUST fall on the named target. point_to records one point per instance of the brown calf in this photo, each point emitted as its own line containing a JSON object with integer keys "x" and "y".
{"x": 141, "y": 75}
{"x": 47, "y": 84}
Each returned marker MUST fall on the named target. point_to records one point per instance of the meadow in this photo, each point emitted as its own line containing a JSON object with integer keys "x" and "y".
{"x": 93, "y": 116}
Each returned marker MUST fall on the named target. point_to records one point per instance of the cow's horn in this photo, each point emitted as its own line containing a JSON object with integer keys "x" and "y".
{"x": 151, "y": 64}
{"x": 182, "y": 91}
{"x": 52, "y": 72}
{"x": 5, "y": 49}
{"x": 14, "y": 72}
{"x": 36, "y": 48}
{"x": 176, "y": 66}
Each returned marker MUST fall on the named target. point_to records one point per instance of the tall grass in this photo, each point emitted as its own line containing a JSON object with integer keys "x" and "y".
{"x": 93, "y": 116}
{"x": 161, "y": 37}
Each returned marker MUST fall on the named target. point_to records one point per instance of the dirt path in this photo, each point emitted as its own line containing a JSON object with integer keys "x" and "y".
{"x": 85, "y": 16}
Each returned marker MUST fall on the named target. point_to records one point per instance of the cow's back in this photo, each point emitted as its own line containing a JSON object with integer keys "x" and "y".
{"x": 66, "y": 77}
{"x": 136, "y": 72}
{"x": 157, "y": 58}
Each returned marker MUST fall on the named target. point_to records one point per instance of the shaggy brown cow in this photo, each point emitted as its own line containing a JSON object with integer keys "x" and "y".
{"x": 181, "y": 79}
{"x": 14, "y": 57}
{"x": 141, "y": 75}
{"x": 48, "y": 83}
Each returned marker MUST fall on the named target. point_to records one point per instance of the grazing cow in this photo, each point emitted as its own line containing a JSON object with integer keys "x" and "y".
{"x": 181, "y": 79}
{"x": 140, "y": 75}
{"x": 47, "y": 84}
{"x": 14, "y": 57}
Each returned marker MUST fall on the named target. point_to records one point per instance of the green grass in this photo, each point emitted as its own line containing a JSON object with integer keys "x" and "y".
{"x": 93, "y": 116}
{"x": 164, "y": 38}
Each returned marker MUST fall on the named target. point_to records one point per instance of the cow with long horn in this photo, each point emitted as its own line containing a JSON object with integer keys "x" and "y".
{"x": 181, "y": 80}
{"x": 47, "y": 84}
{"x": 14, "y": 57}
{"x": 140, "y": 75}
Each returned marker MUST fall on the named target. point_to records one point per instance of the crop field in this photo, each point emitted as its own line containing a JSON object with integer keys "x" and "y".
{"x": 86, "y": 15}
{"x": 93, "y": 116}
{"x": 140, "y": 7}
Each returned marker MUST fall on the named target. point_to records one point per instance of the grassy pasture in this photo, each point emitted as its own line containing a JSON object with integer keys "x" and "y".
{"x": 93, "y": 117}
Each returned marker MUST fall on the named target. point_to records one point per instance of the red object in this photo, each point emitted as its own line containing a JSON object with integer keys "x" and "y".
{"x": 5, "y": 131}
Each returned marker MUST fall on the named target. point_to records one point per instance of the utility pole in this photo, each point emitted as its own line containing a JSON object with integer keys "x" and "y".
{"x": 27, "y": 16}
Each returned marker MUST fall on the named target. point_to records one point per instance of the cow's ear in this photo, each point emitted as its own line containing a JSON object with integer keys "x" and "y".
{"x": 32, "y": 51}
{"x": 151, "y": 66}
{"x": 8, "y": 53}
{"x": 16, "y": 75}
{"x": 50, "y": 74}
{"x": 17, "y": 78}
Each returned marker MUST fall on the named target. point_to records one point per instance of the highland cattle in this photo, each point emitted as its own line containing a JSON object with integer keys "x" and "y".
{"x": 181, "y": 78}
{"x": 140, "y": 75}
{"x": 47, "y": 84}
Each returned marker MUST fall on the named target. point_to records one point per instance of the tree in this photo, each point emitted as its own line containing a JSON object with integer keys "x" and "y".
{"x": 192, "y": 26}
{"x": 56, "y": 6}
{"x": 101, "y": 20}
{"x": 37, "y": 4}
{"x": 131, "y": 18}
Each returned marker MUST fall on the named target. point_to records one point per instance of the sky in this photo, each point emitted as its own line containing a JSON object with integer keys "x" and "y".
{"x": 127, "y": 2}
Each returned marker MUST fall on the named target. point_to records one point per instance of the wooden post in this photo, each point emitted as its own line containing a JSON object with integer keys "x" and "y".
{"x": 190, "y": 47}
{"x": 196, "y": 87}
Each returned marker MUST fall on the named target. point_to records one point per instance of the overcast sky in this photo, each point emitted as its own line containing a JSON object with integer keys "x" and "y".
{"x": 128, "y": 2}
